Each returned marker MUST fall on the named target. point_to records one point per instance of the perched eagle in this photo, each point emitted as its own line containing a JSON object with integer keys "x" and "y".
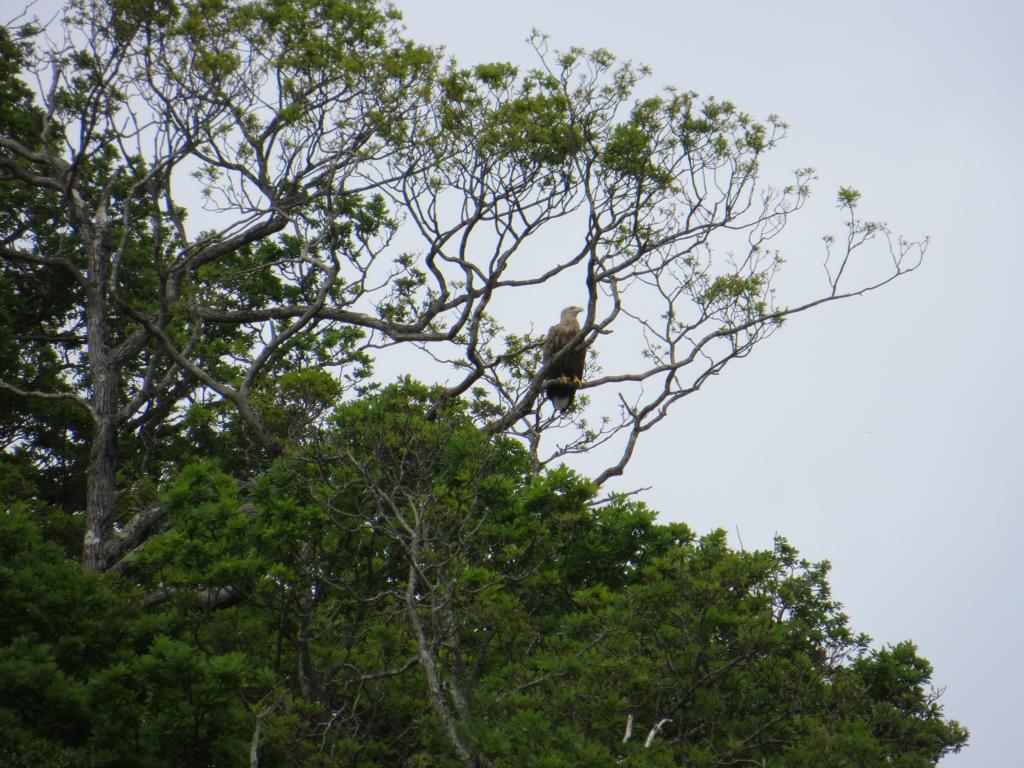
{"x": 569, "y": 369}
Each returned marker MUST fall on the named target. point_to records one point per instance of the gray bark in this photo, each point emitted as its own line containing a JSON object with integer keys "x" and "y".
{"x": 101, "y": 476}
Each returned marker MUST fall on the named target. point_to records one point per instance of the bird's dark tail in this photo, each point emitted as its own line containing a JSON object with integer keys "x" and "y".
{"x": 561, "y": 396}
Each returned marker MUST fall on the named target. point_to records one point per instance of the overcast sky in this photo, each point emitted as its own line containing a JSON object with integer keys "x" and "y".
{"x": 883, "y": 434}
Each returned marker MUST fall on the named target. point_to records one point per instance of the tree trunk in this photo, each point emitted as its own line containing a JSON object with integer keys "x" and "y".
{"x": 101, "y": 479}
{"x": 101, "y": 485}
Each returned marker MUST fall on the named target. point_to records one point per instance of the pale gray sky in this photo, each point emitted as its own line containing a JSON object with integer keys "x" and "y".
{"x": 882, "y": 434}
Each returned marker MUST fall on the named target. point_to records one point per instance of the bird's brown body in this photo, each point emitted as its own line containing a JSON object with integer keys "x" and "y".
{"x": 568, "y": 368}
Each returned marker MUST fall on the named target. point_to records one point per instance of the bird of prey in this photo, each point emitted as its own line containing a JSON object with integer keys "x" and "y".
{"x": 568, "y": 370}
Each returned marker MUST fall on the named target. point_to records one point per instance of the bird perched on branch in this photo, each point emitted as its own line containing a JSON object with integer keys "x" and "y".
{"x": 568, "y": 369}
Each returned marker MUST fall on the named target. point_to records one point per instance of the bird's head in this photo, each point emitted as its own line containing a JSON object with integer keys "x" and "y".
{"x": 569, "y": 314}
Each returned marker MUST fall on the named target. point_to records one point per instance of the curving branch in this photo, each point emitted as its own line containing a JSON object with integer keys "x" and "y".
{"x": 43, "y": 395}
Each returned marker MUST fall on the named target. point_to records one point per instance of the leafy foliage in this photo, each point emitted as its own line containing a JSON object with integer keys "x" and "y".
{"x": 312, "y": 596}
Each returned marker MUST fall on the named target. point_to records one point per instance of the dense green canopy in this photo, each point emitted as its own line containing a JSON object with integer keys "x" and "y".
{"x": 404, "y": 589}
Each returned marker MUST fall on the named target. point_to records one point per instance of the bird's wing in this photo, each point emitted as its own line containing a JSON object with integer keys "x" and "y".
{"x": 553, "y": 342}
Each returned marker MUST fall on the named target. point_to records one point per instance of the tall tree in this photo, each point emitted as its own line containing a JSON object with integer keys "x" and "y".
{"x": 138, "y": 97}
{"x": 243, "y": 204}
